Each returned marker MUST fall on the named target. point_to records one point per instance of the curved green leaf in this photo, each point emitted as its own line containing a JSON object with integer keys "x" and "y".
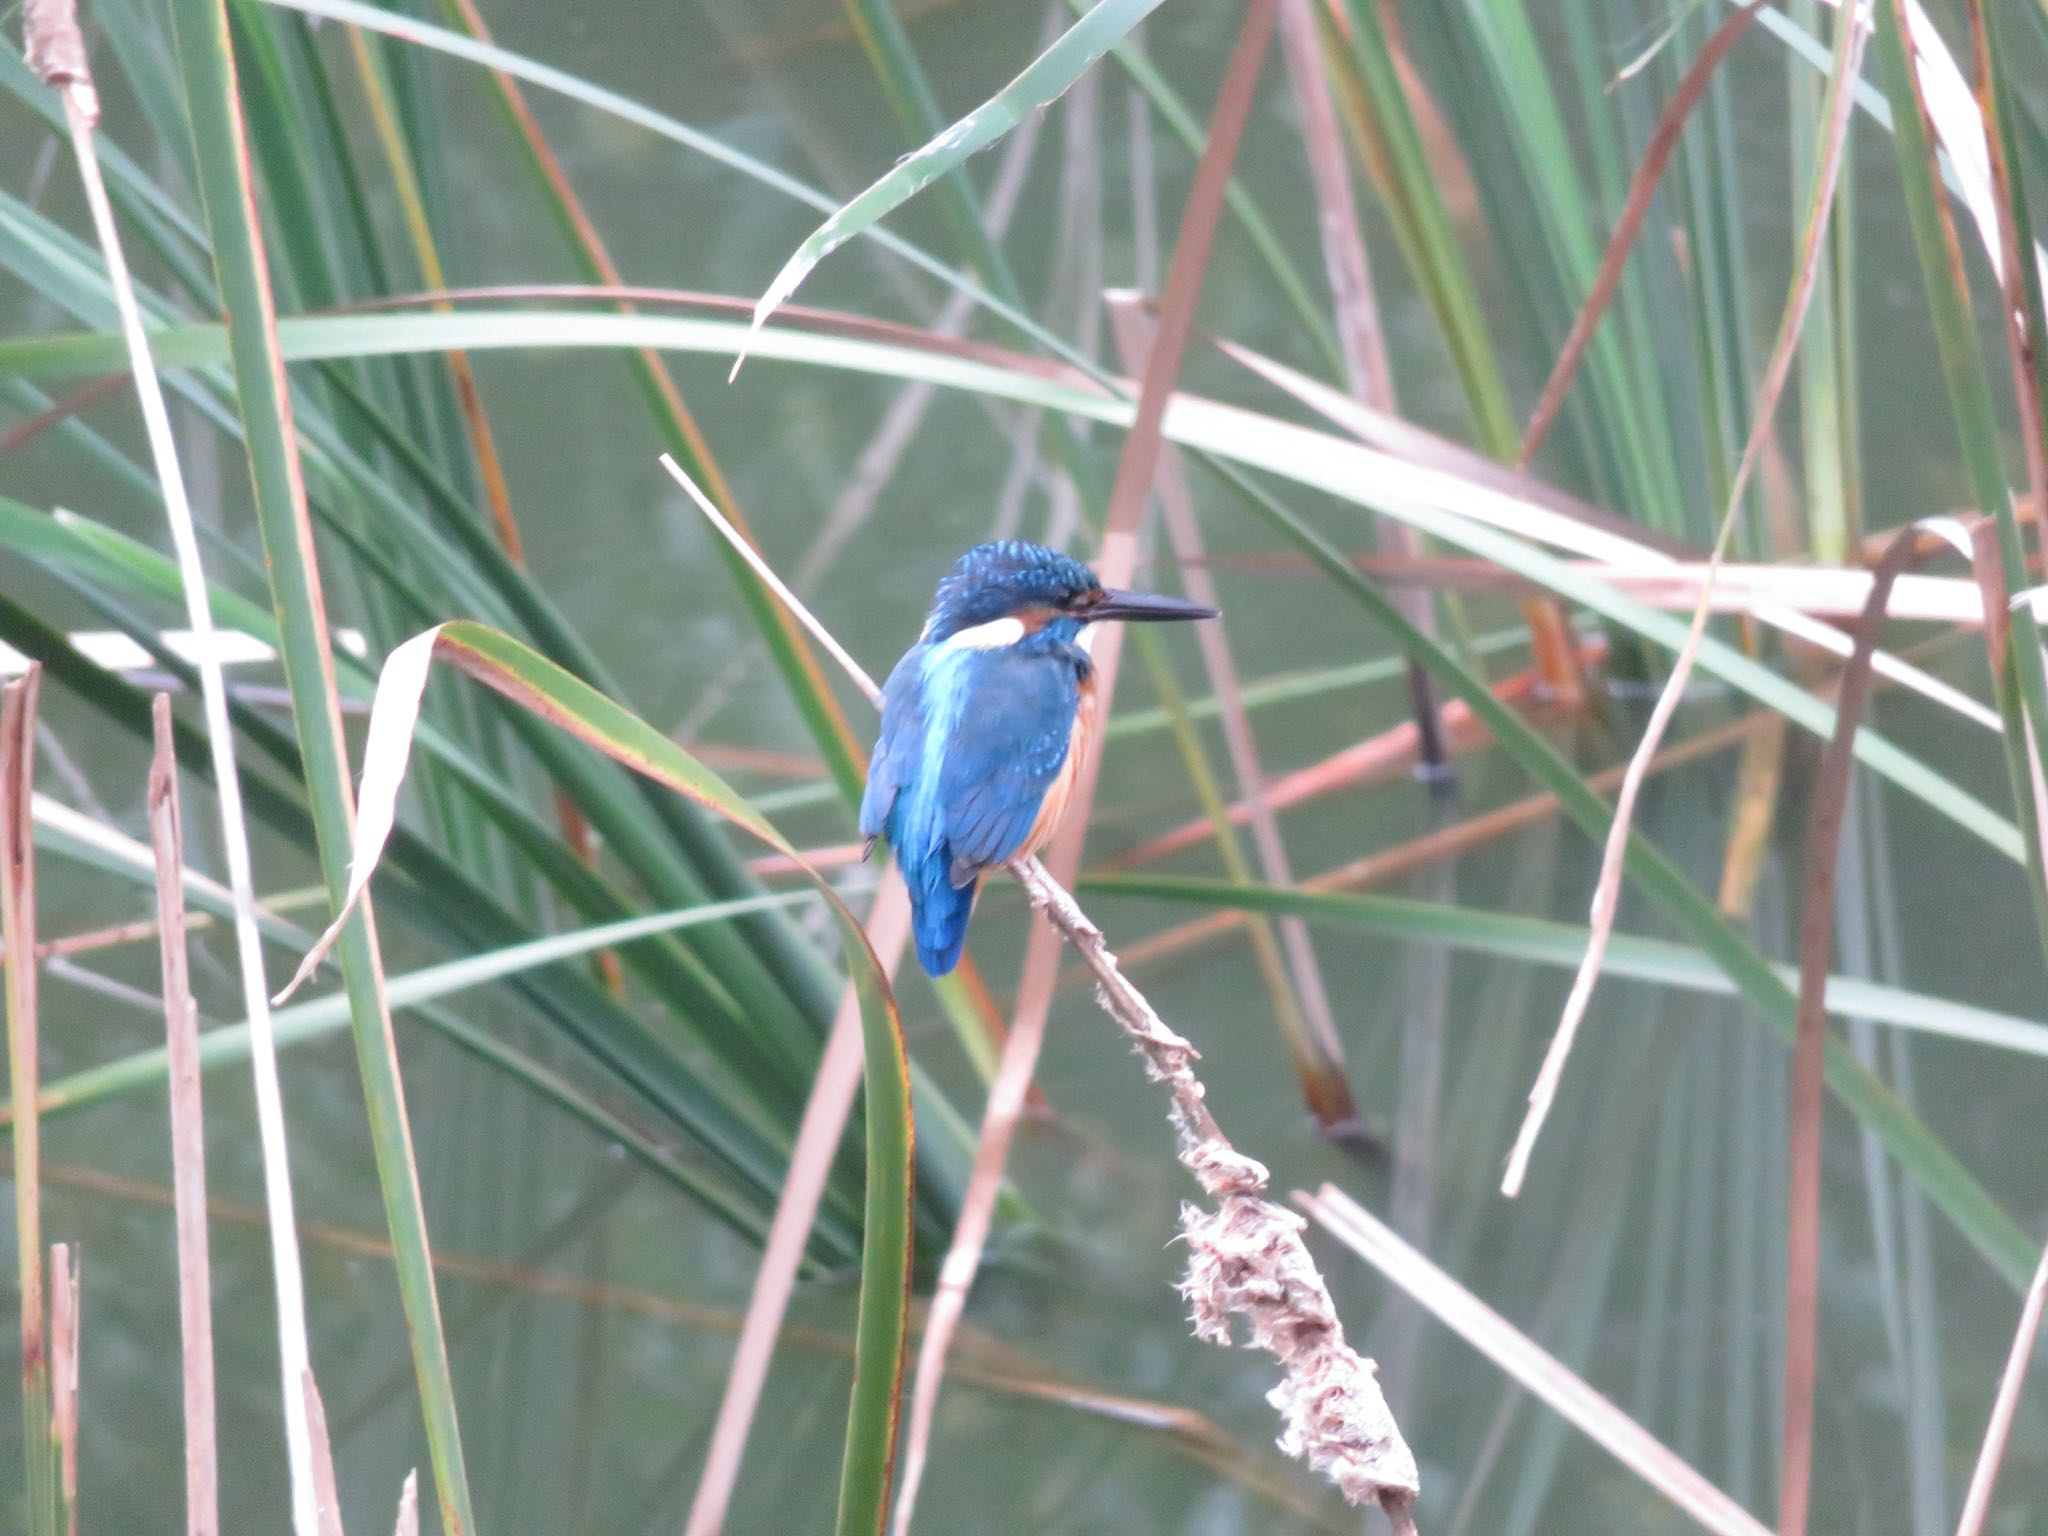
{"x": 537, "y": 685}
{"x": 1043, "y": 80}
{"x": 1512, "y": 936}
{"x": 1437, "y": 503}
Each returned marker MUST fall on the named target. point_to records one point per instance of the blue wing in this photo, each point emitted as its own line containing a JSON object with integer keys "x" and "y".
{"x": 1005, "y": 755}
{"x": 971, "y": 741}
{"x": 899, "y": 746}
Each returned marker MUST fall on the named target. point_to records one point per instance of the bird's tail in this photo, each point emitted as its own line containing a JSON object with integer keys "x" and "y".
{"x": 938, "y": 914}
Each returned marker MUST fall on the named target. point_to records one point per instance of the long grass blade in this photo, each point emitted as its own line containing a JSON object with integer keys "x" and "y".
{"x": 1455, "y": 510}
{"x": 810, "y": 1163}
{"x": 226, "y": 183}
{"x": 537, "y": 685}
{"x": 188, "y": 1138}
{"x": 1512, "y": 936}
{"x": 1816, "y": 940}
{"x": 293, "y": 1353}
{"x": 1528, "y": 1364}
{"x": 1046, "y": 78}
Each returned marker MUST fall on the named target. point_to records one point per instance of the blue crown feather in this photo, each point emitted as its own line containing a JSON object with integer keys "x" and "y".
{"x": 993, "y": 581}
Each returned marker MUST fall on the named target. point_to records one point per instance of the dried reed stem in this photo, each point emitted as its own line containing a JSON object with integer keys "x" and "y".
{"x": 1528, "y": 1364}
{"x": 188, "y": 1137}
{"x": 62, "y": 65}
{"x": 18, "y": 927}
{"x": 1977, "y": 1502}
{"x": 1607, "y": 890}
{"x": 1246, "y": 1257}
{"x": 64, "y": 1317}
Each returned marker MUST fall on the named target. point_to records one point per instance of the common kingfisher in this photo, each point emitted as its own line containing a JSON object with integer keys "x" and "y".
{"x": 984, "y": 721}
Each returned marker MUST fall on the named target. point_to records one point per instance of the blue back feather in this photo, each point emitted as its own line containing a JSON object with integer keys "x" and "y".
{"x": 971, "y": 741}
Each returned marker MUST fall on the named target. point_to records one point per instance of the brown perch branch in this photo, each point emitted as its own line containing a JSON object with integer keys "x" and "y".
{"x": 1246, "y": 1258}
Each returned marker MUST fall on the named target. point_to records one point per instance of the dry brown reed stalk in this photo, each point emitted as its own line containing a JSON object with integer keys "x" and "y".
{"x": 18, "y": 929}
{"x": 1360, "y": 336}
{"x": 818, "y": 1136}
{"x": 1319, "y": 1060}
{"x": 408, "y": 1522}
{"x": 1527, "y": 1363}
{"x": 1607, "y": 889}
{"x": 188, "y": 1136}
{"x": 1642, "y": 189}
{"x": 1984, "y": 1475}
{"x": 1445, "y": 842}
{"x": 1816, "y": 941}
{"x": 64, "y": 1354}
{"x": 57, "y": 53}
{"x": 326, "y": 1490}
{"x": 1375, "y": 760}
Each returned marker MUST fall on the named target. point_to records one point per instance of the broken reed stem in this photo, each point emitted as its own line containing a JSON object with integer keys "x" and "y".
{"x": 18, "y": 929}
{"x": 1977, "y": 1502}
{"x": 188, "y": 1137}
{"x": 64, "y": 1278}
{"x": 1360, "y": 335}
{"x": 326, "y": 1490}
{"x": 57, "y": 53}
{"x": 1246, "y": 1258}
{"x": 1830, "y": 797}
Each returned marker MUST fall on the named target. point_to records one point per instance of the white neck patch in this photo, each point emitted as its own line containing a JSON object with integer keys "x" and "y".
{"x": 1086, "y": 639}
{"x": 991, "y": 636}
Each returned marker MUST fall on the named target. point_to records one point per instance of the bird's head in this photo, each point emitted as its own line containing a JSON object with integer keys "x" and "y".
{"x": 998, "y": 593}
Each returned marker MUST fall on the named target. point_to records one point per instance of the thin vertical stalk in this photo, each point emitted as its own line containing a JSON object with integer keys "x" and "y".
{"x": 1310, "y": 1029}
{"x": 81, "y": 112}
{"x": 1816, "y": 938}
{"x": 1977, "y": 1502}
{"x": 188, "y": 1136}
{"x": 1385, "y": 120}
{"x": 1606, "y": 895}
{"x": 207, "y": 59}
{"x": 64, "y": 1339}
{"x": 810, "y": 1163}
{"x": 1359, "y": 332}
{"x": 405, "y": 182}
{"x": 18, "y": 930}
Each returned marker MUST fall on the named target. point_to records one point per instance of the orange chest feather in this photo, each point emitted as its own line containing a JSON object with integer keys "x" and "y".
{"x": 1079, "y": 744}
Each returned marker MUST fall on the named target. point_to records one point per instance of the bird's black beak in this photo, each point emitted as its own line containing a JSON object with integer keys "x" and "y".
{"x": 1146, "y": 608}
